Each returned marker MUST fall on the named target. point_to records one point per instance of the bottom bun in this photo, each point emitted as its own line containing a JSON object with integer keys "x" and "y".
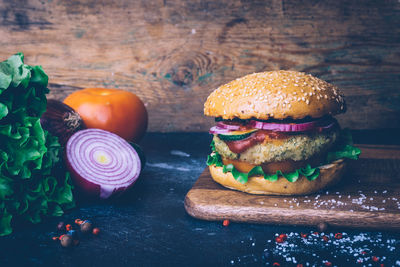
{"x": 329, "y": 175}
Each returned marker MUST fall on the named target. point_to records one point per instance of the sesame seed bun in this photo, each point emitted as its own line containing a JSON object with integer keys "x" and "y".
{"x": 275, "y": 95}
{"x": 329, "y": 175}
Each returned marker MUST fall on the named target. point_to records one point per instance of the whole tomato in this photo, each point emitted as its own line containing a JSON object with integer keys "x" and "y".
{"x": 113, "y": 110}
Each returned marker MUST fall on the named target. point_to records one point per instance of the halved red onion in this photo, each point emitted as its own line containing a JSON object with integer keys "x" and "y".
{"x": 218, "y": 130}
{"x": 227, "y": 126}
{"x": 101, "y": 163}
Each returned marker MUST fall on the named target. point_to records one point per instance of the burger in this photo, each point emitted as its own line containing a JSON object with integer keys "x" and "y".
{"x": 275, "y": 134}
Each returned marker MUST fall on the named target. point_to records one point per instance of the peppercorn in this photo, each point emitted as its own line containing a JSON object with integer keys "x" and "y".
{"x": 283, "y": 237}
{"x": 279, "y": 239}
{"x": 60, "y": 226}
{"x": 338, "y": 235}
{"x": 276, "y": 264}
{"x": 375, "y": 259}
{"x": 86, "y": 226}
{"x": 68, "y": 227}
{"x": 322, "y": 226}
{"x": 225, "y": 223}
{"x": 325, "y": 238}
{"x": 303, "y": 235}
{"x": 66, "y": 241}
{"x": 327, "y": 263}
{"x": 96, "y": 231}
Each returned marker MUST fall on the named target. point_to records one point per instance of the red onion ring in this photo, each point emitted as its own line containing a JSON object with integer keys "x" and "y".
{"x": 322, "y": 128}
{"x": 218, "y": 130}
{"x": 101, "y": 163}
{"x": 284, "y": 127}
{"x": 292, "y": 127}
{"x": 227, "y": 126}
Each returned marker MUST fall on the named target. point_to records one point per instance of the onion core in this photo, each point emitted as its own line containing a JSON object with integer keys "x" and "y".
{"x": 102, "y": 163}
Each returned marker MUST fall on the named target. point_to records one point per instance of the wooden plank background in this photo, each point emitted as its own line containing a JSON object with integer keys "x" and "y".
{"x": 173, "y": 53}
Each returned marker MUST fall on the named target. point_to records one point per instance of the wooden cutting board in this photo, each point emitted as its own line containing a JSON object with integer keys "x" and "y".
{"x": 367, "y": 197}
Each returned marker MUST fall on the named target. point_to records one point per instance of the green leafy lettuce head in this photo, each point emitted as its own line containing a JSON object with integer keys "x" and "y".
{"x": 33, "y": 182}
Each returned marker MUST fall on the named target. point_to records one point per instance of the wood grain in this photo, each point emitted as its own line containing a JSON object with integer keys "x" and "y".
{"x": 174, "y": 53}
{"x": 367, "y": 197}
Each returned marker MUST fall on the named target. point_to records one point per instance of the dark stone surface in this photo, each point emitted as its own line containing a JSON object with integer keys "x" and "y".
{"x": 149, "y": 225}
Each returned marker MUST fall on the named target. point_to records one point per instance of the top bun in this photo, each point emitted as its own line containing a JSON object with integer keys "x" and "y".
{"x": 275, "y": 95}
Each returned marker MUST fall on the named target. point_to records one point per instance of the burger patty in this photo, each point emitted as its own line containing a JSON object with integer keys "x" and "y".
{"x": 296, "y": 147}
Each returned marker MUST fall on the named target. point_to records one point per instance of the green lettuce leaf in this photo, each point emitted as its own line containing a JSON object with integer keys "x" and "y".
{"x": 239, "y": 176}
{"x": 33, "y": 181}
{"x": 348, "y": 151}
{"x": 3, "y": 110}
{"x": 5, "y": 222}
{"x": 343, "y": 149}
